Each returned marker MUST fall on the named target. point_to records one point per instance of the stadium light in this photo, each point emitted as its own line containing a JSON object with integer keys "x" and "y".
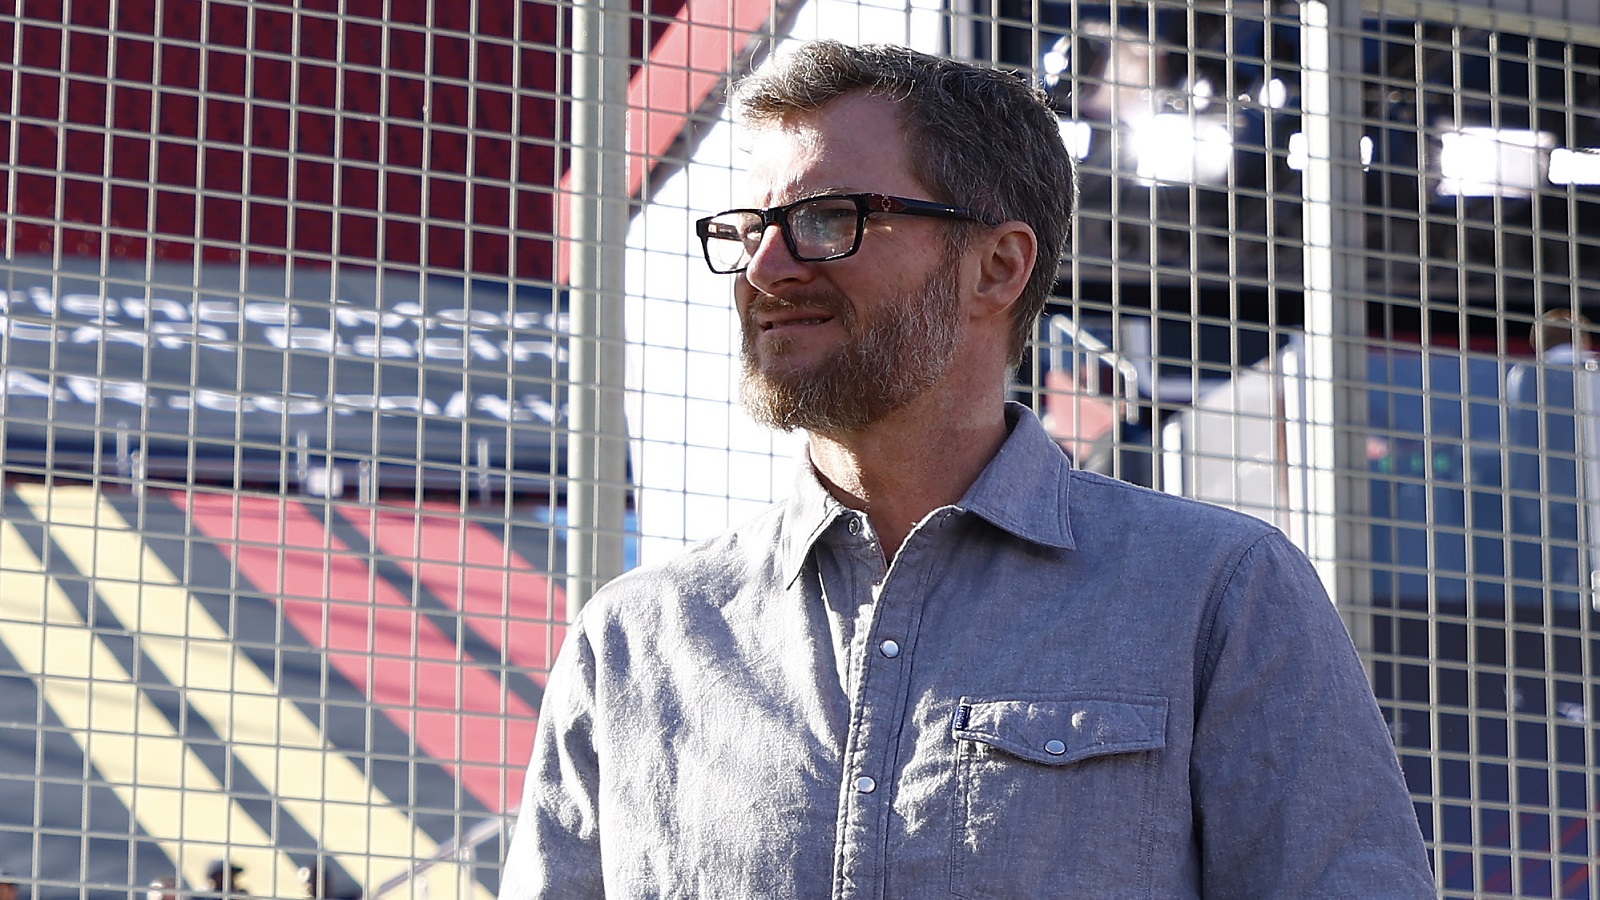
{"x": 1493, "y": 162}
{"x": 1078, "y": 136}
{"x": 1575, "y": 165}
{"x": 1179, "y": 148}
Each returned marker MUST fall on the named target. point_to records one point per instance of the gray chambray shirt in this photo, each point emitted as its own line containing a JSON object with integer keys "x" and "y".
{"x": 1066, "y": 686}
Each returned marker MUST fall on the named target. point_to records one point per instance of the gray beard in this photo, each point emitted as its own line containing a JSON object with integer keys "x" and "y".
{"x": 899, "y": 354}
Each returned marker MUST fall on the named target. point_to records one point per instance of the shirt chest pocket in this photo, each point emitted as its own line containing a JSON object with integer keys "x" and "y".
{"x": 1054, "y": 794}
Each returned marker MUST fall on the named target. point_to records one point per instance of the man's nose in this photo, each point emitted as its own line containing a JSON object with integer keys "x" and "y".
{"x": 771, "y": 265}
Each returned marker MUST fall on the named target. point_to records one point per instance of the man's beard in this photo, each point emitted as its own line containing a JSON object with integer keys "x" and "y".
{"x": 888, "y": 361}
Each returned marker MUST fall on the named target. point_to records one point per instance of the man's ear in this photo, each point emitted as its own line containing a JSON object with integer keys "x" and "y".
{"x": 1003, "y": 260}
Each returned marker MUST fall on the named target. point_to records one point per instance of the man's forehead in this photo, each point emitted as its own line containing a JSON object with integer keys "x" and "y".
{"x": 779, "y": 155}
{"x": 846, "y": 146}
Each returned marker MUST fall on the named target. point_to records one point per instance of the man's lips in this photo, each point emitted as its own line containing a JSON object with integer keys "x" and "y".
{"x": 792, "y": 317}
{"x": 770, "y": 323}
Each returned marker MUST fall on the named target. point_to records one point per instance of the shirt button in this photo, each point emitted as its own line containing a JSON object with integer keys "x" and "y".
{"x": 866, "y": 785}
{"x": 1054, "y": 747}
{"x": 855, "y": 525}
{"x": 889, "y": 649}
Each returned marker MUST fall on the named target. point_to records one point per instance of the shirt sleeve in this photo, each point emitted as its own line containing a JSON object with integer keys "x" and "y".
{"x": 1297, "y": 791}
{"x": 555, "y": 846}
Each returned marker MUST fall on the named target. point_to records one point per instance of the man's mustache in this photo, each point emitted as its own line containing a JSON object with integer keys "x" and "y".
{"x": 824, "y": 300}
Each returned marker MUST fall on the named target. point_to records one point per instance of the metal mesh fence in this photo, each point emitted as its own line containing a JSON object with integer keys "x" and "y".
{"x": 283, "y": 356}
{"x": 347, "y": 345}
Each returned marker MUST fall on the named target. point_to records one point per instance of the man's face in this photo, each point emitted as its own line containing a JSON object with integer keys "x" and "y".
{"x": 833, "y": 347}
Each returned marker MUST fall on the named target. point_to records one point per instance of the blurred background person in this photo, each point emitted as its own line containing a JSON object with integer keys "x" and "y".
{"x": 163, "y": 888}
{"x": 322, "y": 882}
{"x": 223, "y": 876}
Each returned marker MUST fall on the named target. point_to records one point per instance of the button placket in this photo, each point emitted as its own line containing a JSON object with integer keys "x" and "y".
{"x": 883, "y": 693}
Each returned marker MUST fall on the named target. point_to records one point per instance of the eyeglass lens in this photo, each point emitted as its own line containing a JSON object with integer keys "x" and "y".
{"x": 815, "y": 229}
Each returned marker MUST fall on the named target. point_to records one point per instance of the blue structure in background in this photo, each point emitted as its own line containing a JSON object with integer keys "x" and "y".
{"x": 1484, "y": 641}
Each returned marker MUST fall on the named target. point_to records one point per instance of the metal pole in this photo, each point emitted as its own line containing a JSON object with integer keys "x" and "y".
{"x": 1334, "y": 532}
{"x": 596, "y": 462}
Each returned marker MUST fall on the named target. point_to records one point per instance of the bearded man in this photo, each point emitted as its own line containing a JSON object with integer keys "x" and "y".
{"x": 949, "y": 664}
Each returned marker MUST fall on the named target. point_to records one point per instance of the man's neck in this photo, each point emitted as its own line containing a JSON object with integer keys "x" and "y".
{"x": 912, "y": 462}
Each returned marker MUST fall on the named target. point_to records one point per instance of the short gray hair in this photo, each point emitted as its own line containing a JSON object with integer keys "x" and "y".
{"x": 979, "y": 137}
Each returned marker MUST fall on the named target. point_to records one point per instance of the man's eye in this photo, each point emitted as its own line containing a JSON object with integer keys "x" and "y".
{"x": 831, "y": 218}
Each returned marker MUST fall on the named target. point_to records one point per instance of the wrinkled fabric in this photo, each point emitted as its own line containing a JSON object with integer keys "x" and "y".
{"x": 1064, "y": 686}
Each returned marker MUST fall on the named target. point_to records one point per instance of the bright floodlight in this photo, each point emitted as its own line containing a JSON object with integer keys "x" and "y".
{"x": 1078, "y": 136}
{"x": 1177, "y": 148}
{"x": 1274, "y": 94}
{"x": 1493, "y": 162}
{"x": 1300, "y": 153}
{"x": 1570, "y": 165}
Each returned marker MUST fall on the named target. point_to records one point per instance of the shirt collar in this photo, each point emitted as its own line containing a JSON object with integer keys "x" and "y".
{"x": 811, "y": 509}
{"x": 1024, "y": 488}
{"x": 1023, "y": 491}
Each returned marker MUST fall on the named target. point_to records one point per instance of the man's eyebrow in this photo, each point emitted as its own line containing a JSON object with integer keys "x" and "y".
{"x": 833, "y": 191}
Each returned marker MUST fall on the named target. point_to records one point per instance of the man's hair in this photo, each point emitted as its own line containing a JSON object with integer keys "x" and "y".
{"x": 1555, "y": 327}
{"x": 978, "y": 137}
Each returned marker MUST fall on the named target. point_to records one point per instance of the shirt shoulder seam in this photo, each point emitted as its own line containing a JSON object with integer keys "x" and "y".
{"x": 1208, "y": 620}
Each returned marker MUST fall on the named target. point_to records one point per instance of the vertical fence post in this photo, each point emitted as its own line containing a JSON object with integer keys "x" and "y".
{"x": 596, "y": 458}
{"x": 1333, "y": 530}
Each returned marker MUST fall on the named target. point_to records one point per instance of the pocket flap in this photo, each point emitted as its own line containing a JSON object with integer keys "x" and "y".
{"x": 1060, "y": 729}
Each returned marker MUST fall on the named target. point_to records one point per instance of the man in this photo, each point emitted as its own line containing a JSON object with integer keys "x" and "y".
{"x": 222, "y": 877}
{"x": 949, "y": 665}
{"x": 321, "y": 882}
{"x": 163, "y": 888}
{"x": 1543, "y": 427}
{"x": 8, "y": 888}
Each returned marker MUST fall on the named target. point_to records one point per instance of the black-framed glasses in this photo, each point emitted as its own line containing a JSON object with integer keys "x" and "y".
{"x": 815, "y": 229}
